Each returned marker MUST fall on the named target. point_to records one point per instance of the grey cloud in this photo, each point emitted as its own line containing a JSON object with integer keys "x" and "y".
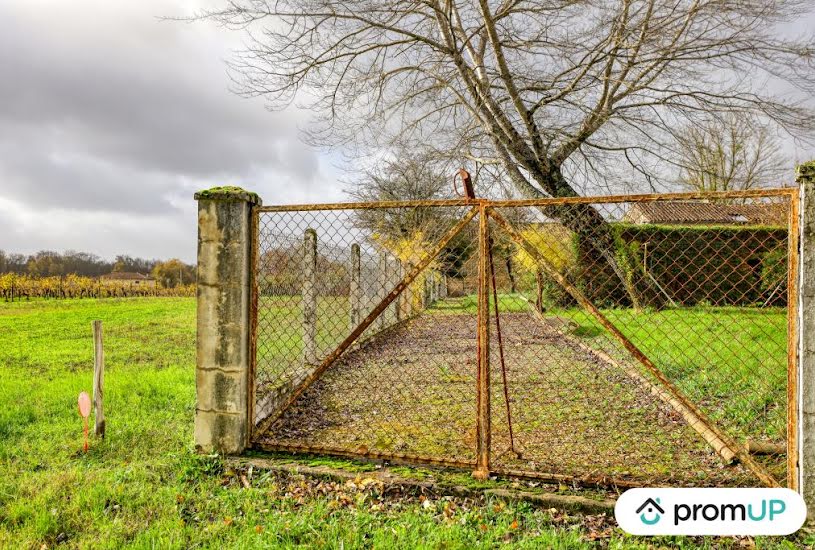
{"x": 104, "y": 108}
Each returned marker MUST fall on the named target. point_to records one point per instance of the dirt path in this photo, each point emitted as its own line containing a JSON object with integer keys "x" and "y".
{"x": 412, "y": 391}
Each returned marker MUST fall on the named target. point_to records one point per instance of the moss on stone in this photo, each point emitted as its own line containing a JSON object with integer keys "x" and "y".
{"x": 806, "y": 170}
{"x": 229, "y": 193}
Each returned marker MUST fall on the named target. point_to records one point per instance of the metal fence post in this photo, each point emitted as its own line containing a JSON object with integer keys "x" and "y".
{"x": 483, "y": 428}
{"x": 806, "y": 338}
{"x": 355, "y": 291}
{"x": 310, "y": 297}
{"x": 223, "y": 343}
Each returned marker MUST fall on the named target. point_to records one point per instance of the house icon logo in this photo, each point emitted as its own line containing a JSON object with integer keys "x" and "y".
{"x": 650, "y": 511}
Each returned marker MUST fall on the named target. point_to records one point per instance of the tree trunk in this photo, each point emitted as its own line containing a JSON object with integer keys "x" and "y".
{"x": 511, "y": 275}
{"x": 592, "y": 229}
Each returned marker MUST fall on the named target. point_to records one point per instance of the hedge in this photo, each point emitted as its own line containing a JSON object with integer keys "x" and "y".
{"x": 695, "y": 265}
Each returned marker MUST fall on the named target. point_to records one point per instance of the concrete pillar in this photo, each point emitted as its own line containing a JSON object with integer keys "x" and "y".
{"x": 393, "y": 273}
{"x": 806, "y": 337}
{"x": 382, "y": 284}
{"x": 409, "y": 293}
{"x": 310, "y": 297}
{"x": 355, "y": 292}
{"x": 401, "y": 310}
{"x": 225, "y": 235}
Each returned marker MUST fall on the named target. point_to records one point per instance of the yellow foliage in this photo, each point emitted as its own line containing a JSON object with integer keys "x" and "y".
{"x": 410, "y": 250}
{"x": 14, "y": 286}
{"x": 553, "y": 241}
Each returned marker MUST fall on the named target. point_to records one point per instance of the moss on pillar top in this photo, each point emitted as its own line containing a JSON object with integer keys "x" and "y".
{"x": 229, "y": 193}
{"x": 806, "y": 171}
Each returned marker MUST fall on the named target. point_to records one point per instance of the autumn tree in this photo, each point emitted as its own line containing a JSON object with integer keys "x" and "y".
{"x": 559, "y": 93}
{"x": 173, "y": 273}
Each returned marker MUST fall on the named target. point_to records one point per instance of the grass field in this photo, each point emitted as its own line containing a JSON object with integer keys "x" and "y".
{"x": 144, "y": 487}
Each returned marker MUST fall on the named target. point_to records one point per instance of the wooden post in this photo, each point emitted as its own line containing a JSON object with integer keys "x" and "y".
{"x": 483, "y": 428}
{"x": 98, "y": 378}
{"x": 355, "y": 292}
{"x": 310, "y": 297}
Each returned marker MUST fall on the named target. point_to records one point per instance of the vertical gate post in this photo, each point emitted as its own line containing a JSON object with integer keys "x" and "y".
{"x": 355, "y": 291}
{"x": 310, "y": 297}
{"x": 223, "y": 359}
{"x": 806, "y": 337}
{"x": 483, "y": 428}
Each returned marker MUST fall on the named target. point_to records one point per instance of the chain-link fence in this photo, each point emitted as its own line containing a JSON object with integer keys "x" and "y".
{"x": 616, "y": 340}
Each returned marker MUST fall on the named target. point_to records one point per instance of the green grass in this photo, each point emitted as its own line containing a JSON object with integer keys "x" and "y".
{"x": 732, "y": 361}
{"x": 144, "y": 487}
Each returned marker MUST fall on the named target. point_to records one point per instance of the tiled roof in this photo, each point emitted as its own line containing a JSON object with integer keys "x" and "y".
{"x": 700, "y": 212}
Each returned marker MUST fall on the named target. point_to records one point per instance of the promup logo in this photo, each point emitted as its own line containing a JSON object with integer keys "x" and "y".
{"x": 651, "y": 509}
{"x": 710, "y": 511}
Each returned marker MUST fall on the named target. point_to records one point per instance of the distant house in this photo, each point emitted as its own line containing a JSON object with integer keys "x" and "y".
{"x": 706, "y": 213}
{"x": 128, "y": 278}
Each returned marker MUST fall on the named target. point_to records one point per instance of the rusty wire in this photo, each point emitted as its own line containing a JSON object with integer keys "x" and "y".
{"x": 630, "y": 352}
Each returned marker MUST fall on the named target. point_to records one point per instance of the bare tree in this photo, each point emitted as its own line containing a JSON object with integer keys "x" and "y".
{"x": 415, "y": 177}
{"x": 556, "y": 92}
{"x": 407, "y": 176}
{"x": 729, "y": 153}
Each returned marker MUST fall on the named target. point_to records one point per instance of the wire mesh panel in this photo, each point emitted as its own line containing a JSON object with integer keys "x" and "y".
{"x": 639, "y": 340}
{"x": 405, "y": 385}
{"x": 656, "y": 331}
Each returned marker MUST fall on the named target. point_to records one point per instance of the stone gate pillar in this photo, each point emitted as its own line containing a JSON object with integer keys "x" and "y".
{"x": 225, "y": 235}
{"x": 806, "y": 338}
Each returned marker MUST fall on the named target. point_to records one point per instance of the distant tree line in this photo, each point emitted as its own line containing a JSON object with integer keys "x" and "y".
{"x": 47, "y": 263}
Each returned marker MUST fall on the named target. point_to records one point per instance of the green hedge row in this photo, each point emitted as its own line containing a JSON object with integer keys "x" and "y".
{"x": 702, "y": 265}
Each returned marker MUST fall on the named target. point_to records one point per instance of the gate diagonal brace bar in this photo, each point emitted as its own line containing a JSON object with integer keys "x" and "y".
{"x": 738, "y": 450}
{"x": 357, "y": 332}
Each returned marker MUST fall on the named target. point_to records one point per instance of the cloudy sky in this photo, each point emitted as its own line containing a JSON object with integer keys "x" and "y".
{"x": 110, "y": 119}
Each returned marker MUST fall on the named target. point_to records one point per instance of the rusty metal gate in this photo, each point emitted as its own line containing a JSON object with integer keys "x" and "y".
{"x": 625, "y": 340}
